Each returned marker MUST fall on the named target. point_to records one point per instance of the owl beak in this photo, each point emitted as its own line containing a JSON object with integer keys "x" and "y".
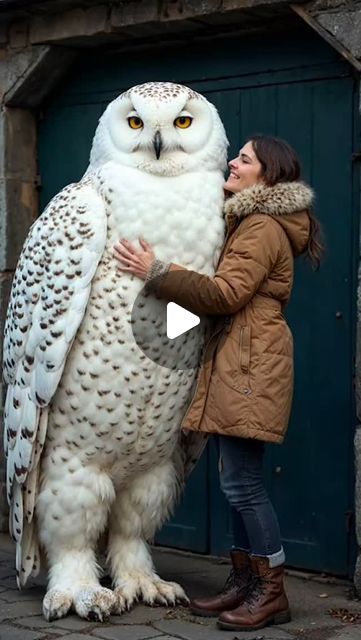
{"x": 158, "y": 144}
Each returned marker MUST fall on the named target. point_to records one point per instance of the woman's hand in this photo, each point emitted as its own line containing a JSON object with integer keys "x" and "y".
{"x": 135, "y": 261}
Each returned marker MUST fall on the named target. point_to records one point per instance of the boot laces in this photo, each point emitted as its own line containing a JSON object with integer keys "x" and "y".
{"x": 257, "y": 589}
{"x": 237, "y": 578}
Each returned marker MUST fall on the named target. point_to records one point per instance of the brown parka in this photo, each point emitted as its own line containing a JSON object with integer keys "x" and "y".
{"x": 245, "y": 381}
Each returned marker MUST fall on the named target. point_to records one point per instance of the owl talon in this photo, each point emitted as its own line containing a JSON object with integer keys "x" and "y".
{"x": 172, "y": 592}
{"x": 125, "y": 599}
{"x": 56, "y": 604}
{"x": 94, "y": 603}
{"x": 159, "y": 601}
{"x": 150, "y": 589}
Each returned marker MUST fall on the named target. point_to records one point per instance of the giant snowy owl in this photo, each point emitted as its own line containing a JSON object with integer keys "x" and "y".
{"x": 92, "y": 426}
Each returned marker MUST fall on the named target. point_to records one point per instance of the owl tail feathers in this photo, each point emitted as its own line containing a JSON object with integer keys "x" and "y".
{"x": 193, "y": 444}
{"x": 27, "y": 555}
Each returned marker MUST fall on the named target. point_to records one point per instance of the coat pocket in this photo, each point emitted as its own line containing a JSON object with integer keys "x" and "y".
{"x": 233, "y": 359}
{"x": 274, "y": 390}
{"x": 244, "y": 360}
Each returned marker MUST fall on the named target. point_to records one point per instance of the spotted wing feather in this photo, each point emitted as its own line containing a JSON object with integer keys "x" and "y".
{"x": 49, "y": 295}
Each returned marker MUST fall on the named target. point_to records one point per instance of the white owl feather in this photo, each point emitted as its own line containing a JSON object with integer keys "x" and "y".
{"x": 91, "y": 424}
{"x": 48, "y": 300}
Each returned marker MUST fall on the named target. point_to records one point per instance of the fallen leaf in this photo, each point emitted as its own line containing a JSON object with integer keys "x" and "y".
{"x": 351, "y": 617}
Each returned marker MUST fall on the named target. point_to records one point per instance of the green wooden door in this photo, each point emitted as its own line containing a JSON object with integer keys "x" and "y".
{"x": 298, "y": 88}
{"x": 308, "y": 477}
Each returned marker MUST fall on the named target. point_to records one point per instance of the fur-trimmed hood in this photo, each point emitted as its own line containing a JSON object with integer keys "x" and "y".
{"x": 286, "y": 202}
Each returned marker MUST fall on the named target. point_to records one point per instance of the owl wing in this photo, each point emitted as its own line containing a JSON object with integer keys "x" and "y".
{"x": 186, "y": 454}
{"x": 193, "y": 444}
{"x": 48, "y": 299}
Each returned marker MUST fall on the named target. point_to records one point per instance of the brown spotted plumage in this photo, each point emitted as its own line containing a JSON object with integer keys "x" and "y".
{"x": 92, "y": 423}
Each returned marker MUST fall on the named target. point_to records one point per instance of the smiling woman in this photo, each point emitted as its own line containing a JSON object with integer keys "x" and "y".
{"x": 245, "y": 383}
{"x": 244, "y": 170}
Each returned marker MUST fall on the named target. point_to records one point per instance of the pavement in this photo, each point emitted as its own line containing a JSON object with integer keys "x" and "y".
{"x": 322, "y": 608}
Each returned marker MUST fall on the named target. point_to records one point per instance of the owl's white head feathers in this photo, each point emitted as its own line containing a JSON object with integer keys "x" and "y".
{"x": 161, "y": 128}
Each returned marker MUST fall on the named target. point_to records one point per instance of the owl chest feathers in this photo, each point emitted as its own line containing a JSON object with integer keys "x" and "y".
{"x": 121, "y": 402}
{"x": 179, "y": 216}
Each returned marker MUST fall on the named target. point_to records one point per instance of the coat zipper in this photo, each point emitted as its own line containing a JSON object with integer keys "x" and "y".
{"x": 245, "y": 356}
{"x": 199, "y": 375}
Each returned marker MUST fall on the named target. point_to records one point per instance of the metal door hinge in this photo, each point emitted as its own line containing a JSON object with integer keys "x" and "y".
{"x": 356, "y": 156}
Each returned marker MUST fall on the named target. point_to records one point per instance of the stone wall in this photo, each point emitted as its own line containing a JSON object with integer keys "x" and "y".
{"x": 84, "y": 24}
{"x": 338, "y": 22}
{"x": 342, "y": 19}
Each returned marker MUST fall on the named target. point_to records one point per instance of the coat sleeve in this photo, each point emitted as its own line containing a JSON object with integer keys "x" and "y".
{"x": 248, "y": 262}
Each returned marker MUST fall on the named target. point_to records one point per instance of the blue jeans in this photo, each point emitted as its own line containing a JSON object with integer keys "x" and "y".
{"x": 255, "y": 524}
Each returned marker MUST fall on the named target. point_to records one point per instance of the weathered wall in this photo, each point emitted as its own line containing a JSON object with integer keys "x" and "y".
{"x": 107, "y": 21}
{"x": 342, "y": 19}
{"x": 338, "y": 22}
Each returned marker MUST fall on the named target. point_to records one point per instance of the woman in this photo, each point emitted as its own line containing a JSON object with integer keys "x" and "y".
{"x": 245, "y": 383}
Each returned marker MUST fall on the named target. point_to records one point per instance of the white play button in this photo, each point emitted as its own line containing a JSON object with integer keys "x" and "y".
{"x": 166, "y": 333}
{"x": 179, "y": 320}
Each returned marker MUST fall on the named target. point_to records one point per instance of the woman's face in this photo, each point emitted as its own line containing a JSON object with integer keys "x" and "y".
{"x": 245, "y": 171}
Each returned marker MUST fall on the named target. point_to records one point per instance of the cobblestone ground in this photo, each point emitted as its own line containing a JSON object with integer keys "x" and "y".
{"x": 311, "y": 600}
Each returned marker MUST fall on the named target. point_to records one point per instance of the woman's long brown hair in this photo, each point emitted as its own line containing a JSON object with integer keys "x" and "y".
{"x": 280, "y": 163}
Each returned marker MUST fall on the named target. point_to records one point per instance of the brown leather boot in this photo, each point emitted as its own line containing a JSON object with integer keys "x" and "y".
{"x": 266, "y": 602}
{"x": 233, "y": 592}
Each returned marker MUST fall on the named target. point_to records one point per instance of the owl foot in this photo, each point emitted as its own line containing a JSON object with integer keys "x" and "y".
{"x": 172, "y": 592}
{"x": 94, "y": 603}
{"x": 150, "y": 589}
{"x": 56, "y": 604}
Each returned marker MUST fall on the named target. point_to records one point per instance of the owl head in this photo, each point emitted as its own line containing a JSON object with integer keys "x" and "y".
{"x": 162, "y": 128}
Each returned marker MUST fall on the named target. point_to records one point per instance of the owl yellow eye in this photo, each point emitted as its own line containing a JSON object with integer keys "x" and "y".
{"x": 183, "y": 122}
{"x": 135, "y": 122}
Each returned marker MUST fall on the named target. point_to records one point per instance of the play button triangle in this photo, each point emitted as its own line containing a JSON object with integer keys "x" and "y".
{"x": 179, "y": 320}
